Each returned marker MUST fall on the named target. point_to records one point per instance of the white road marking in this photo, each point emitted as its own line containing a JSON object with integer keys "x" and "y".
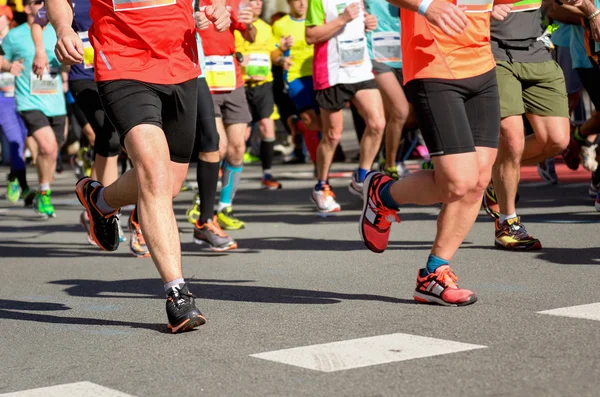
{"x": 79, "y": 389}
{"x": 588, "y": 312}
{"x": 364, "y": 352}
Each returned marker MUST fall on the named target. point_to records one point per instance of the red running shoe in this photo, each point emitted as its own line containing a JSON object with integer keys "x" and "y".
{"x": 441, "y": 287}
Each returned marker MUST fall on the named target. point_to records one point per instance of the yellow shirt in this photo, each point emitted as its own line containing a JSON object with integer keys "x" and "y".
{"x": 259, "y": 52}
{"x": 301, "y": 53}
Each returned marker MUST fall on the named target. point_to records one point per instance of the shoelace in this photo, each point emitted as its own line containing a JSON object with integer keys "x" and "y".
{"x": 518, "y": 230}
{"x": 45, "y": 200}
{"x": 216, "y": 229}
{"x": 327, "y": 191}
{"x": 447, "y": 278}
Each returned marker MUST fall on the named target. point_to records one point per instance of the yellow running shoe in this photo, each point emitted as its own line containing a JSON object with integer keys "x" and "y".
{"x": 227, "y": 221}
{"x": 193, "y": 213}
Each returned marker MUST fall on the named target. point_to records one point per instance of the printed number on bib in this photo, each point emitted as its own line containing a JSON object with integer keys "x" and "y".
{"x": 259, "y": 66}
{"x": 352, "y": 51}
{"x": 88, "y": 51}
{"x": 48, "y": 85}
{"x": 129, "y": 5}
{"x": 7, "y": 85}
{"x": 476, "y": 5}
{"x": 386, "y": 46}
{"x": 220, "y": 73}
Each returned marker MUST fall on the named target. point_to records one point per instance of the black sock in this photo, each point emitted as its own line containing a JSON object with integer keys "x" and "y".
{"x": 207, "y": 175}
{"x": 266, "y": 154}
{"x": 21, "y": 176}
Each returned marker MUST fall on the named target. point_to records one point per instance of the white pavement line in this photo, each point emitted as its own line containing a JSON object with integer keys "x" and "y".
{"x": 588, "y": 312}
{"x": 364, "y": 352}
{"x": 79, "y": 389}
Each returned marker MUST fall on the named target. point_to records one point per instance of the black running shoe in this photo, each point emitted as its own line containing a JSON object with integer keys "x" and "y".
{"x": 104, "y": 229}
{"x": 182, "y": 311}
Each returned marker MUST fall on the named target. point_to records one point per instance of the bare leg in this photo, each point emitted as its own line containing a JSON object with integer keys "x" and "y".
{"x": 48, "y": 150}
{"x": 507, "y": 168}
{"x": 333, "y": 125}
{"x": 370, "y": 106}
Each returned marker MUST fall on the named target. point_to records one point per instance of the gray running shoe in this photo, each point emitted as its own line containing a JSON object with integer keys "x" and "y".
{"x": 213, "y": 236}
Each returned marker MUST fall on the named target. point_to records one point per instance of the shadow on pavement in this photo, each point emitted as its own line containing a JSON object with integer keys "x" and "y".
{"x": 559, "y": 256}
{"x": 221, "y": 290}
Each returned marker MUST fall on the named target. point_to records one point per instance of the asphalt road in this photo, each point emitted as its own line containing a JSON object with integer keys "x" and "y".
{"x": 70, "y": 313}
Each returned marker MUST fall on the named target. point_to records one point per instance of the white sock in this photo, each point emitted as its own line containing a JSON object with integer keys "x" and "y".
{"x": 504, "y": 218}
{"x": 44, "y": 187}
{"x": 222, "y": 205}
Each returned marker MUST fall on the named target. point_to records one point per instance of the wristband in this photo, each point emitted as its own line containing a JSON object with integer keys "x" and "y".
{"x": 594, "y": 15}
{"x": 424, "y": 6}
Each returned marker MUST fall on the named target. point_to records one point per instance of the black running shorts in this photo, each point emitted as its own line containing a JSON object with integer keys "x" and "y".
{"x": 207, "y": 136}
{"x": 86, "y": 96}
{"x": 455, "y": 116}
{"x": 335, "y": 98}
{"x": 171, "y": 107}
{"x": 35, "y": 120}
{"x": 261, "y": 101}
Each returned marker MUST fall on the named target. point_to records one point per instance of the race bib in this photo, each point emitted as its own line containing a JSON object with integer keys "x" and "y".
{"x": 476, "y": 5}
{"x": 351, "y": 51}
{"x": 48, "y": 85}
{"x": 259, "y": 66}
{"x": 386, "y": 47}
{"x": 220, "y": 73}
{"x": 7, "y": 85}
{"x": 88, "y": 51}
{"x": 128, "y": 5}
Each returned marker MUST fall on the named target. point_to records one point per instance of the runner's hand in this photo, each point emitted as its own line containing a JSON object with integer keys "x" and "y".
{"x": 286, "y": 43}
{"x": 16, "y": 67}
{"x": 446, "y": 16}
{"x": 351, "y": 12}
{"x": 40, "y": 63}
{"x": 246, "y": 16}
{"x": 501, "y": 11}
{"x": 202, "y": 22}
{"x": 595, "y": 28}
{"x": 69, "y": 47}
{"x": 219, "y": 16}
{"x": 370, "y": 22}
{"x": 287, "y": 63}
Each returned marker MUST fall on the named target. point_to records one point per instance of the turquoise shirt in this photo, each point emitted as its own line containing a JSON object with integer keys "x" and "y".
{"x": 384, "y": 42}
{"x": 572, "y": 37}
{"x": 18, "y": 45}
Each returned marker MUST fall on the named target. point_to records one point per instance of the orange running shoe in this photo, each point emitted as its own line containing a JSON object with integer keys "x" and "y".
{"x": 441, "y": 287}
{"x": 270, "y": 183}
{"x": 137, "y": 243}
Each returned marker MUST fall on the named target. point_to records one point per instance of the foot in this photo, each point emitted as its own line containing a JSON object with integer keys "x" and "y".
{"x": 324, "y": 199}
{"x": 356, "y": 187}
{"x": 213, "y": 236}
{"x": 137, "y": 243}
{"x": 28, "y": 197}
{"x": 441, "y": 287}
{"x": 122, "y": 235}
{"x": 376, "y": 219}
{"x": 104, "y": 228}
{"x": 13, "y": 191}
{"x": 227, "y": 221}
{"x": 42, "y": 205}
{"x": 85, "y": 222}
{"x": 489, "y": 202}
{"x": 182, "y": 312}
{"x": 193, "y": 213}
{"x": 270, "y": 183}
{"x": 547, "y": 171}
{"x": 513, "y": 236}
{"x": 249, "y": 158}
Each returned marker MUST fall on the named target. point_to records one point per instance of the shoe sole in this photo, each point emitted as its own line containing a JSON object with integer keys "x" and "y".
{"x": 365, "y": 196}
{"x": 272, "y": 188}
{"x": 87, "y": 231}
{"x": 423, "y": 298}
{"x": 231, "y": 228}
{"x": 192, "y": 219}
{"x": 139, "y": 255}
{"x": 534, "y": 247}
{"x": 355, "y": 192}
{"x": 213, "y": 248}
{"x": 83, "y": 202}
{"x": 325, "y": 212}
{"x": 187, "y": 325}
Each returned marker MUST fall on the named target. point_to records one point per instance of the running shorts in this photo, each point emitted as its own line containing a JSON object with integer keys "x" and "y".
{"x": 232, "y": 107}
{"x": 455, "y": 116}
{"x": 381, "y": 68}
{"x": 207, "y": 136}
{"x": 260, "y": 101}
{"x": 302, "y": 93}
{"x": 532, "y": 87}
{"x": 171, "y": 107}
{"x": 35, "y": 120}
{"x": 335, "y": 98}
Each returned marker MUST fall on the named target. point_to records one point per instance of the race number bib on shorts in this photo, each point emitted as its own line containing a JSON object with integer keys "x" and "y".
{"x": 259, "y": 66}
{"x": 128, "y": 5}
{"x": 48, "y": 85}
{"x": 220, "y": 73}
{"x": 352, "y": 51}
{"x": 476, "y": 5}
{"x": 7, "y": 85}
{"x": 386, "y": 47}
{"x": 88, "y": 51}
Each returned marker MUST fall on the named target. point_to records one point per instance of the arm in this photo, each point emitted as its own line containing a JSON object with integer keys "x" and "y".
{"x": 249, "y": 34}
{"x": 446, "y": 16}
{"x": 588, "y": 9}
{"x": 40, "y": 61}
{"x": 69, "y": 48}
{"x": 565, "y": 14}
{"x": 321, "y": 33}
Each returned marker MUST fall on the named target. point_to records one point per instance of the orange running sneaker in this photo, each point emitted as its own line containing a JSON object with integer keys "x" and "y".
{"x": 441, "y": 287}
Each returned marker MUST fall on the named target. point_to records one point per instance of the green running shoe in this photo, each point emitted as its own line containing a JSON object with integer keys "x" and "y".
{"x": 13, "y": 191}
{"x": 42, "y": 204}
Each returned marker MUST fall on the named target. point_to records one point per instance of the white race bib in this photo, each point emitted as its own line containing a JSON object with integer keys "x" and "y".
{"x": 351, "y": 51}
{"x": 128, "y": 5}
{"x": 48, "y": 85}
{"x": 259, "y": 66}
{"x": 220, "y": 73}
{"x": 386, "y": 46}
{"x": 7, "y": 85}
{"x": 88, "y": 51}
{"x": 476, "y": 5}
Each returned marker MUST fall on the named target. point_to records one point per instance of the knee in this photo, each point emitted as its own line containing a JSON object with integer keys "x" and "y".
{"x": 48, "y": 147}
{"x": 376, "y": 126}
{"x": 455, "y": 189}
{"x": 557, "y": 144}
{"x": 153, "y": 179}
{"x": 332, "y": 137}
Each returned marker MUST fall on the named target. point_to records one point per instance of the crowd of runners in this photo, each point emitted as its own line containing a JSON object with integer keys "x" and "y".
{"x": 131, "y": 95}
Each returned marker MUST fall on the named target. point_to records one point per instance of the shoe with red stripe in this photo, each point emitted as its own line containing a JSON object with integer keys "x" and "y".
{"x": 441, "y": 287}
{"x": 376, "y": 219}
{"x": 104, "y": 228}
{"x": 182, "y": 312}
